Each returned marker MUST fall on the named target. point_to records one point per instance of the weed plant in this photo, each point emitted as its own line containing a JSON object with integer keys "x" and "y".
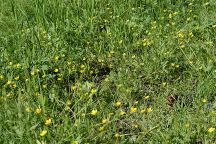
{"x": 107, "y": 71}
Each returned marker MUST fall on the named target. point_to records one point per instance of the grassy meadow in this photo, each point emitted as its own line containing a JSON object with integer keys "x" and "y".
{"x": 107, "y": 71}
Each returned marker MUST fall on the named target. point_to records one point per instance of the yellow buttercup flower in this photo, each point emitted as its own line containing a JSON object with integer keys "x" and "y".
{"x": 75, "y": 142}
{"x": 82, "y": 66}
{"x": 16, "y": 78}
{"x": 111, "y": 113}
{"x": 32, "y": 73}
{"x": 118, "y": 103}
{"x": 44, "y": 86}
{"x": 1, "y": 77}
{"x": 190, "y": 62}
{"x": 73, "y": 87}
{"x": 164, "y": 83}
{"x": 82, "y": 71}
{"x": 211, "y": 129}
{"x": 148, "y": 110}
{"x": 143, "y": 110}
{"x": 28, "y": 109}
{"x": 56, "y": 58}
{"x": 48, "y": 122}
{"x": 38, "y": 110}
{"x": 204, "y": 100}
{"x": 133, "y": 110}
{"x": 43, "y": 133}
{"x": 146, "y": 97}
{"x": 59, "y": 79}
{"x": 56, "y": 70}
{"x": 101, "y": 129}
{"x": 94, "y": 112}
{"x": 122, "y": 113}
{"x": 93, "y": 91}
{"x": 14, "y": 85}
{"x": 104, "y": 121}
{"x": 116, "y": 135}
{"x": 68, "y": 103}
{"x": 180, "y": 35}
{"x": 18, "y": 65}
{"x": 8, "y": 82}
{"x": 67, "y": 108}
{"x": 187, "y": 125}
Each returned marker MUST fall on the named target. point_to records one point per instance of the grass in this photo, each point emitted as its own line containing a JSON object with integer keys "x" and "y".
{"x": 107, "y": 71}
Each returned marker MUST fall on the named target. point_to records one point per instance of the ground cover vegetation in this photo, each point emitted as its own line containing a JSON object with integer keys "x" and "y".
{"x": 107, "y": 71}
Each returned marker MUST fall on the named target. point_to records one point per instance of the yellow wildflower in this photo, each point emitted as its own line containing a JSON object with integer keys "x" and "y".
{"x": 182, "y": 46}
{"x": 69, "y": 62}
{"x": 133, "y": 110}
{"x": 16, "y": 78}
{"x": 122, "y": 113}
{"x": 148, "y": 110}
{"x": 1, "y": 77}
{"x": 56, "y": 70}
{"x": 28, "y": 109}
{"x": 164, "y": 83}
{"x": 14, "y": 85}
{"x": 187, "y": 125}
{"x": 172, "y": 64}
{"x": 38, "y": 111}
{"x": 48, "y": 122}
{"x": 8, "y": 82}
{"x": 101, "y": 129}
{"x": 82, "y": 71}
{"x": 32, "y": 73}
{"x": 190, "y": 62}
{"x": 191, "y": 34}
{"x": 181, "y": 35}
{"x": 82, "y": 66}
{"x": 59, "y": 79}
{"x": 146, "y": 97}
{"x": 68, "y": 103}
{"x": 56, "y": 58}
{"x": 116, "y": 135}
{"x": 75, "y": 142}
{"x": 118, "y": 103}
{"x": 67, "y": 108}
{"x": 110, "y": 66}
{"x": 73, "y": 87}
{"x": 111, "y": 113}
{"x": 44, "y": 86}
{"x": 93, "y": 91}
{"x": 94, "y": 112}
{"x": 143, "y": 110}
{"x": 43, "y": 133}
{"x": 18, "y": 65}
{"x": 146, "y": 42}
{"x": 204, "y": 100}
{"x": 104, "y": 121}
{"x": 211, "y": 129}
